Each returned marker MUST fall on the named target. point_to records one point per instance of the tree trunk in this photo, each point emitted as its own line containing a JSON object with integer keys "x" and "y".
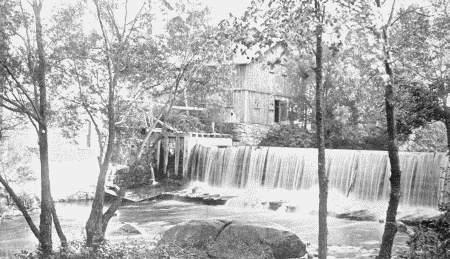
{"x": 323, "y": 178}
{"x": 447, "y": 126}
{"x": 58, "y": 228}
{"x": 94, "y": 225}
{"x": 94, "y": 229}
{"x": 21, "y": 207}
{"x": 445, "y": 194}
{"x": 390, "y": 228}
{"x": 46, "y": 199}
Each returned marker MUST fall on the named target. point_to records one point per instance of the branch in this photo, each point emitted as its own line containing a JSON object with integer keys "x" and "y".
{"x": 134, "y": 22}
{"x": 406, "y": 13}
{"x": 97, "y": 129}
{"x": 23, "y": 90}
{"x": 391, "y": 14}
{"x": 113, "y": 22}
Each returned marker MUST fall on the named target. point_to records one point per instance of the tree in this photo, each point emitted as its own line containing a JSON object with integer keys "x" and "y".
{"x": 302, "y": 25}
{"x": 114, "y": 41}
{"x": 379, "y": 27}
{"x": 24, "y": 70}
{"x": 421, "y": 47}
{"x": 390, "y": 228}
{"x": 118, "y": 70}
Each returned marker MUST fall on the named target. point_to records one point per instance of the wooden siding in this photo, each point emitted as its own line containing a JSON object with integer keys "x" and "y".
{"x": 258, "y": 76}
{"x": 252, "y": 107}
{"x": 255, "y": 88}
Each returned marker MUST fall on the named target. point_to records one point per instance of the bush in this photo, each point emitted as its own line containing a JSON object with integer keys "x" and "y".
{"x": 289, "y": 136}
{"x": 129, "y": 249}
{"x": 431, "y": 238}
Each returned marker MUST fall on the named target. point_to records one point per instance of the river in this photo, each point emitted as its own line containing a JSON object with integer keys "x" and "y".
{"x": 152, "y": 218}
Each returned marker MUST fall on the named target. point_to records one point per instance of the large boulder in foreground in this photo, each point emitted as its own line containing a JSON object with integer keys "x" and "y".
{"x": 236, "y": 239}
{"x": 194, "y": 233}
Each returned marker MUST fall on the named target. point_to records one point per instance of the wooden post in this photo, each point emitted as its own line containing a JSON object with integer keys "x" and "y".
{"x": 166, "y": 154}
{"x": 177, "y": 154}
{"x": 186, "y": 147}
{"x": 158, "y": 154}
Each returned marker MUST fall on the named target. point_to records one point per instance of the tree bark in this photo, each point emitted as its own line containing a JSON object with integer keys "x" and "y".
{"x": 390, "y": 228}
{"x": 21, "y": 207}
{"x": 46, "y": 199}
{"x": 58, "y": 227}
{"x": 323, "y": 178}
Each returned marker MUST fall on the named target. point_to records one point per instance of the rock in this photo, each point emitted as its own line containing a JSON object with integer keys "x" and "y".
{"x": 197, "y": 189}
{"x": 405, "y": 229}
{"x": 359, "y": 215}
{"x": 196, "y": 233}
{"x": 291, "y": 209}
{"x": 234, "y": 239}
{"x": 275, "y": 205}
{"x": 251, "y": 240}
{"x": 126, "y": 229}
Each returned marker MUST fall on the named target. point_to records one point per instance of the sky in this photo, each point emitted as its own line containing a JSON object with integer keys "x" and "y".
{"x": 221, "y": 8}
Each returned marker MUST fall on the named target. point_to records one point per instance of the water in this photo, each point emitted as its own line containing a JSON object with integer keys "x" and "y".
{"x": 153, "y": 218}
{"x": 358, "y": 180}
{"x": 361, "y": 174}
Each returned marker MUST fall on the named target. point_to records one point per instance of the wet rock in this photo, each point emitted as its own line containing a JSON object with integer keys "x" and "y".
{"x": 291, "y": 209}
{"x": 359, "y": 215}
{"x": 402, "y": 227}
{"x": 197, "y": 189}
{"x": 252, "y": 240}
{"x": 233, "y": 239}
{"x": 275, "y": 205}
{"x": 196, "y": 233}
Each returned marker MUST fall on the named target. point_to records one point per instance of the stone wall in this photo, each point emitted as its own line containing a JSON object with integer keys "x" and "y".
{"x": 245, "y": 134}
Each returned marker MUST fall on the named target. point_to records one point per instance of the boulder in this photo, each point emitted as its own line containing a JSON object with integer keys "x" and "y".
{"x": 196, "y": 233}
{"x": 236, "y": 239}
{"x": 254, "y": 240}
{"x": 126, "y": 230}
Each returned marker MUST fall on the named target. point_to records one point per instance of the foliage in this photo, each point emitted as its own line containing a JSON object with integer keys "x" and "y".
{"x": 431, "y": 137}
{"x": 130, "y": 249}
{"x": 337, "y": 138}
{"x": 289, "y": 136}
{"x": 431, "y": 239}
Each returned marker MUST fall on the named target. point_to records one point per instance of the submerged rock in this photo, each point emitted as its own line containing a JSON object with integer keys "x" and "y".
{"x": 235, "y": 239}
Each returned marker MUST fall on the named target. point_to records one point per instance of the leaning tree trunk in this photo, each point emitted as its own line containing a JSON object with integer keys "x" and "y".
{"x": 390, "y": 228}
{"x": 21, "y": 207}
{"x": 323, "y": 178}
{"x": 94, "y": 225}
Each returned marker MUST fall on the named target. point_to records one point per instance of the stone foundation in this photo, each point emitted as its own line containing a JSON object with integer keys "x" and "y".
{"x": 245, "y": 134}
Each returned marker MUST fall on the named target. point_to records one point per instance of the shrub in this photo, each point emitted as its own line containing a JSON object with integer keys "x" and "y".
{"x": 289, "y": 136}
{"x": 431, "y": 238}
{"x": 129, "y": 249}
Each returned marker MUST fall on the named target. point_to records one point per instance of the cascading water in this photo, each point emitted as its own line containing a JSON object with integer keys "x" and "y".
{"x": 362, "y": 174}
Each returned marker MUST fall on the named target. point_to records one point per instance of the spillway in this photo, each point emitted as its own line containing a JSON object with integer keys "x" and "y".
{"x": 362, "y": 174}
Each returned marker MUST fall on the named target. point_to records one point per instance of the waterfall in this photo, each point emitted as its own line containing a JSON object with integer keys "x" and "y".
{"x": 362, "y": 174}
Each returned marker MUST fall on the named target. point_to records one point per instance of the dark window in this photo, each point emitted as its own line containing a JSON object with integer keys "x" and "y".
{"x": 281, "y": 111}
{"x": 277, "y": 111}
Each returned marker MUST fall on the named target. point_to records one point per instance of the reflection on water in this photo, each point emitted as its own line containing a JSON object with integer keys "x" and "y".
{"x": 155, "y": 217}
